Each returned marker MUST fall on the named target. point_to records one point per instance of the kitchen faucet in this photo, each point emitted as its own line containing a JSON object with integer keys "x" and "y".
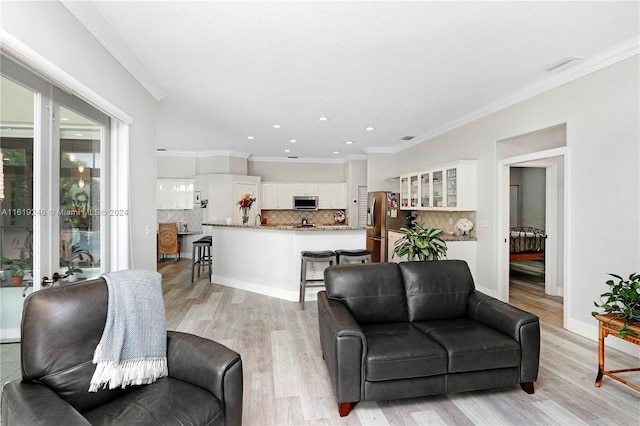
{"x": 258, "y": 220}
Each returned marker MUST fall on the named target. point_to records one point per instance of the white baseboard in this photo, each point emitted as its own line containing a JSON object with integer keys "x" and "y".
{"x": 255, "y": 288}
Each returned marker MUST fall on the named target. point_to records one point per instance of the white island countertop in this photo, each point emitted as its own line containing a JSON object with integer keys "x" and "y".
{"x": 266, "y": 259}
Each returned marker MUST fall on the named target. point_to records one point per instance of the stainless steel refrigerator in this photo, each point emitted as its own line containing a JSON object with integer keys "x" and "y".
{"x": 383, "y": 213}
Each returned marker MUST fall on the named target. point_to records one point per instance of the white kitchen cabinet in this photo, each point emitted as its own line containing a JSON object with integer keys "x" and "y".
{"x": 277, "y": 196}
{"x": 450, "y": 187}
{"x": 392, "y": 237}
{"x": 174, "y": 194}
{"x": 285, "y": 196}
{"x": 270, "y": 196}
{"x": 332, "y": 196}
{"x": 310, "y": 189}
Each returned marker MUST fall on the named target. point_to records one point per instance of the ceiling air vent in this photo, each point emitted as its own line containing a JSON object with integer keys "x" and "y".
{"x": 161, "y": 149}
{"x": 407, "y": 138}
{"x": 291, "y": 156}
{"x": 563, "y": 64}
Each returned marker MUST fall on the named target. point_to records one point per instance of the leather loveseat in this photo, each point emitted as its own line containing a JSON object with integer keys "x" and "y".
{"x": 61, "y": 327}
{"x": 391, "y": 331}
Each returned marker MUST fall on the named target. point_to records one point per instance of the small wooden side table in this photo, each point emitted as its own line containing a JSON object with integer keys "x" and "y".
{"x": 609, "y": 325}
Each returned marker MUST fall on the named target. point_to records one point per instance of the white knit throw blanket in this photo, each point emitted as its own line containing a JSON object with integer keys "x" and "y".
{"x": 133, "y": 347}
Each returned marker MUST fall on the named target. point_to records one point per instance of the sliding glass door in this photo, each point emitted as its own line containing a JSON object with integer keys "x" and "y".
{"x": 53, "y": 190}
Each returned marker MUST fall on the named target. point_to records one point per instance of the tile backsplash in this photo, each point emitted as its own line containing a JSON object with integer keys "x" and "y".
{"x": 445, "y": 220}
{"x": 294, "y": 217}
{"x": 193, "y": 218}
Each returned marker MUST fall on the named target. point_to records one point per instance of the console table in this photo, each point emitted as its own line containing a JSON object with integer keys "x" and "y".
{"x": 609, "y": 325}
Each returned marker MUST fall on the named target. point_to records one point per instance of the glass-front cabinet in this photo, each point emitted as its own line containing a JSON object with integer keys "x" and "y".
{"x": 404, "y": 192}
{"x": 447, "y": 187}
{"x": 425, "y": 189}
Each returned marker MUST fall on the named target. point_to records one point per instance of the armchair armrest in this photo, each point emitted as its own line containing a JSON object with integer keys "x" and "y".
{"x": 211, "y": 366}
{"x": 343, "y": 348}
{"x": 522, "y": 326}
{"x": 23, "y": 403}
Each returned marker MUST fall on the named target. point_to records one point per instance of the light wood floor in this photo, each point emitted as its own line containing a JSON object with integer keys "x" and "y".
{"x": 286, "y": 382}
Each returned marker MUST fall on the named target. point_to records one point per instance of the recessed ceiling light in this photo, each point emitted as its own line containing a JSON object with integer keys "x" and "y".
{"x": 287, "y": 150}
{"x": 293, "y": 141}
{"x": 368, "y": 129}
{"x": 276, "y": 126}
{"x": 336, "y": 152}
{"x": 78, "y": 134}
{"x": 250, "y": 137}
{"x": 349, "y": 142}
{"x": 323, "y": 119}
{"x": 64, "y": 119}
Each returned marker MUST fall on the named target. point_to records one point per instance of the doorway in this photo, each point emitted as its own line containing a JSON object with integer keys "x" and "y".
{"x": 552, "y": 162}
{"x": 527, "y": 236}
{"x": 54, "y": 187}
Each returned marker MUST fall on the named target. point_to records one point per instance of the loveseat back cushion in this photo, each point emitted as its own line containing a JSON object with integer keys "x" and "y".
{"x": 436, "y": 289}
{"x": 61, "y": 327}
{"x": 372, "y": 292}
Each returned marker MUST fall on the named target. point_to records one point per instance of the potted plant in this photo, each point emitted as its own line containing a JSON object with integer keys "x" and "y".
{"x": 420, "y": 243}
{"x": 72, "y": 272}
{"x": 17, "y": 268}
{"x": 622, "y": 300}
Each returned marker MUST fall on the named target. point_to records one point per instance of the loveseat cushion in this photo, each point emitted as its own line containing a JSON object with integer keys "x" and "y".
{"x": 437, "y": 289}
{"x": 471, "y": 345}
{"x": 168, "y": 401}
{"x": 401, "y": 351}
{"x": 373, "y": 292}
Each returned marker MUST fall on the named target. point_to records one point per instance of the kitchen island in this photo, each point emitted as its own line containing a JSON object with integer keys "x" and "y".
{"x": 266, "y": 259}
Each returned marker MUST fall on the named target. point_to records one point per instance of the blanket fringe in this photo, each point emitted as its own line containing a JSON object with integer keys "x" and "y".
{"x": 139, "y": 371}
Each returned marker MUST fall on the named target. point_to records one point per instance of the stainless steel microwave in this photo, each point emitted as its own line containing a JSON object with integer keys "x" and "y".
{"x": 305, "y": 202}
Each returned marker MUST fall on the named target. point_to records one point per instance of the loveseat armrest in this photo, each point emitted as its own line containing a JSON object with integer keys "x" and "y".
{"x": 211, "y": 366}
{"x": 522, "y": 326}
{"x": 32, "y": 404}
{"x": 343, "y": 348}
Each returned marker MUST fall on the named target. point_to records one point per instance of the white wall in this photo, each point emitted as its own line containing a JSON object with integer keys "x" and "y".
{"x": 296, "y": 171}
{"x": 601, "y": 113}
{"x": 531, "y": 198}
{"x": 176, "y": 166}
{"x": 51, "y": 31}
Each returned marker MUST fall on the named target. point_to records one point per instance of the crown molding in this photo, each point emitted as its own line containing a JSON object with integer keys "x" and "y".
{"x": 176, "y": 153}
{"x": 91, "y": 19}
{"x": 590, "y": 65}
{"x": 297, "y": 160}
{"x": 223, "y": 154}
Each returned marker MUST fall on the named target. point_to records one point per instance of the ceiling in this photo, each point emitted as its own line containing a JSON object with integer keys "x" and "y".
{"x": 227, "y": 71}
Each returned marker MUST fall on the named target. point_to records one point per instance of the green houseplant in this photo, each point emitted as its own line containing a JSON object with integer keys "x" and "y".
{"x": 622, "y": 300}
{"x": 420, "y": 243}
{"x": 17, "y": 268}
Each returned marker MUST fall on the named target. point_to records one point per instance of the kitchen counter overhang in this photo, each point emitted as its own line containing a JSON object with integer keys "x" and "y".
{"x": 266, "y": 259}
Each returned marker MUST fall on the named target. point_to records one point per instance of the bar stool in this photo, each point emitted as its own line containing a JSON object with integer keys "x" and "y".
{"x": 352, "y": 256}
{"x": 201, "y": 255}
{"x": 313, "y": 256}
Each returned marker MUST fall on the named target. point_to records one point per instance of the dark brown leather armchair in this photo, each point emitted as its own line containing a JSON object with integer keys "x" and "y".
{"x": 61, "y": 327}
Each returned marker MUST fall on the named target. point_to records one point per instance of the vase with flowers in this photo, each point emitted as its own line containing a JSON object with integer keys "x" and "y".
{"x": 245, "y": 204}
